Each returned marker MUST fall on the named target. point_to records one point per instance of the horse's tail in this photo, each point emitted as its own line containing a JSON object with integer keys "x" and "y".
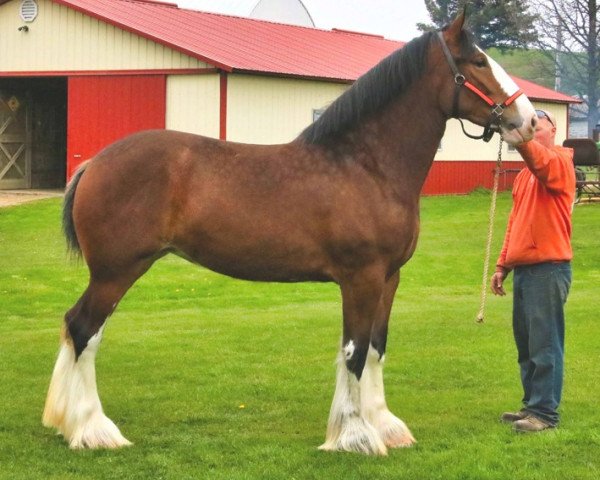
{"x": 68, "y": 225}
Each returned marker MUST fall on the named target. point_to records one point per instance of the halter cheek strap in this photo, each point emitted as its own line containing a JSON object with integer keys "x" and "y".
{"x": 460, "y": 81}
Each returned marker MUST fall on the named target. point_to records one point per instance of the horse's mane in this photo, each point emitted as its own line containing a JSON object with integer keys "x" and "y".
{"x": 386, "y": 80}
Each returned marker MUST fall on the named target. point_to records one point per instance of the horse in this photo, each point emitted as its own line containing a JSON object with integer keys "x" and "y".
{"x": 339, "y": 203}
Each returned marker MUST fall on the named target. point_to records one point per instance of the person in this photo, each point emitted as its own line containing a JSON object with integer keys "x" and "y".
{"x": 537, "y": 247}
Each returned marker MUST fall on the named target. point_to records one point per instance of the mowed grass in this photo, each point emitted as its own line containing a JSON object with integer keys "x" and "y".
{"x": 222, "y": 379}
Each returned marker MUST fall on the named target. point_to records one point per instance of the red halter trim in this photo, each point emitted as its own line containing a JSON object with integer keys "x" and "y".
{"x": 513, "y": 97}
{"x": 479, "y": 93}
{"x": 488, "y": 100}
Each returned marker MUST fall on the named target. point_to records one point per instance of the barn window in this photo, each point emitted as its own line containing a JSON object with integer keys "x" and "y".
{"x": 317, "y": 112}
{"x": 29, "y": 10}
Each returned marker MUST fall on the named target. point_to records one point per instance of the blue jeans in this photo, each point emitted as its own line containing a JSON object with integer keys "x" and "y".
{"x": 539, "y": 295}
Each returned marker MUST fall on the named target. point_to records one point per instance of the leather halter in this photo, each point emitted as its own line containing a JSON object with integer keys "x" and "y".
{"x": 460, "y": 81}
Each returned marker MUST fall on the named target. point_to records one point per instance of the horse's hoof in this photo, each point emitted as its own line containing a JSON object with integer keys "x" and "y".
{"x": 400, "y": 442}
{"x": 98, "y": 432}
{"x": 358, "y": 436}
{"x": 393, "y": 431}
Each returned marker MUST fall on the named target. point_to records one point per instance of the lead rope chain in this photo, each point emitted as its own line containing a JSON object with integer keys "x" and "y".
{"x": 484, "y": 282}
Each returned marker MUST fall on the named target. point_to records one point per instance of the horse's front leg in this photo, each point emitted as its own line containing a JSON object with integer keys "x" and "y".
{"x": 348, "y": 428}
{"x": 391, "y": 429}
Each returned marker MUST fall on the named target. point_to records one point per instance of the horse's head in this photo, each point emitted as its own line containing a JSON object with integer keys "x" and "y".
{"x": 476, "y": 88}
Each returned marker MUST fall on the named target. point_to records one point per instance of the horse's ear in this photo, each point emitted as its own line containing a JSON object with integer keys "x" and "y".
{"x": 457, "y": 25}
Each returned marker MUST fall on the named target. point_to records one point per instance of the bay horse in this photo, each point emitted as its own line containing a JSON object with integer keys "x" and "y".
{"x": 340, "y": 203}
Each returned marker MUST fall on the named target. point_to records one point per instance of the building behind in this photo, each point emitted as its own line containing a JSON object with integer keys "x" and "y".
{"x": 83, "y": 73}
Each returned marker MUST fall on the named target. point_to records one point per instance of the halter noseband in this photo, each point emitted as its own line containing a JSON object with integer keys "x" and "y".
{"x": 461, "y": 81}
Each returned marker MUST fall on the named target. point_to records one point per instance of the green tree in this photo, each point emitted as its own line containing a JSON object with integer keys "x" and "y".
{"x": 503, "y": 24}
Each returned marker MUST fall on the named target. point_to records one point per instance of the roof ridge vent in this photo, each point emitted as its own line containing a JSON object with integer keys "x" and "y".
{"x": 353, "y": 32}
{"x": 157, "y": 2}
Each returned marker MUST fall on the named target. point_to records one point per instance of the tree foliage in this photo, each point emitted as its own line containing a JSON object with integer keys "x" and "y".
{"x": 569, "y": 35}
{"x": 503, "y": 24}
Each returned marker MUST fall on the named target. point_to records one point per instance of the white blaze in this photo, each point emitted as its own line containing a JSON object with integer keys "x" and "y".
{"x": 522, "y": 104}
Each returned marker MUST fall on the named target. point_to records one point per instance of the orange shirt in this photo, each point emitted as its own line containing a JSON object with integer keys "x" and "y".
{"x": 539, "y": 226}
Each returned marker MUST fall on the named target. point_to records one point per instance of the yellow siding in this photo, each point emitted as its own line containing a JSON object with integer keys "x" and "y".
{"x": 456, "y": 146}
{"x": 274, "y": 110}
{"x": 193, "y": 104}
{"x": 61, "y": 39}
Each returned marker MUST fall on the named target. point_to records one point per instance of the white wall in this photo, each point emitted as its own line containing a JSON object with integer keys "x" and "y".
{"x": 193, "y": 104}
{"x": 265, "y": 110}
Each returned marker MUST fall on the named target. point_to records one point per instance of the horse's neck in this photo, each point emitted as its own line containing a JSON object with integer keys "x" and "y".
{"x": 403, "y": 139}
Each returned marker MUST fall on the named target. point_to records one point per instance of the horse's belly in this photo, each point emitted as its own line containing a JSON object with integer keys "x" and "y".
{"x": 256, "y": 256}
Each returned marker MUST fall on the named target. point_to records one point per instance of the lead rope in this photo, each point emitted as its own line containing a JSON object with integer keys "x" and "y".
{"x": 488, "y": 247}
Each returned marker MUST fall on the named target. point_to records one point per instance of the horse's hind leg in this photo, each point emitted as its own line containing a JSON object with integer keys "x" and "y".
{"x": 72, "y": 405}
{"x": 392, "y": 430}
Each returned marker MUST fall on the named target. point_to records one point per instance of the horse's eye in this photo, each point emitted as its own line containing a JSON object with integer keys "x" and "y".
{"x": 480, "y": 63}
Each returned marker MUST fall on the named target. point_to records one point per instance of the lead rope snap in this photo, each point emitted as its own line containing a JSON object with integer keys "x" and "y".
{"x": 484, "y": 283}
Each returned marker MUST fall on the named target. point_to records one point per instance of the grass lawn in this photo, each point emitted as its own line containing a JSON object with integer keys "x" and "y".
{"x": 216, "y": 378}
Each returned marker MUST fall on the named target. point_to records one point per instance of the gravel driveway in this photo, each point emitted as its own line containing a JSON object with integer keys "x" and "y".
{"x": 17, "y": 197}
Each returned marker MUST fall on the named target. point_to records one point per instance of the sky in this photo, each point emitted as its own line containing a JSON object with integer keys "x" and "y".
{"x": 394, "y": 19}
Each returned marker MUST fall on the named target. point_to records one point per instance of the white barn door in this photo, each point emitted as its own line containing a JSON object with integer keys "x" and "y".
{"x": 15, "y": 154}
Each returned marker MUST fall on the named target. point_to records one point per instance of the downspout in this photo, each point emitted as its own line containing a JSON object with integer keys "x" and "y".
{"x": 222, "y": 105}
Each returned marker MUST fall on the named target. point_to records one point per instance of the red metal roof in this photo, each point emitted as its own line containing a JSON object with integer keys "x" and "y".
{"x": 242, "y": 44}
{"x": 249, "y": 45}
{"x": 538, "y": 92}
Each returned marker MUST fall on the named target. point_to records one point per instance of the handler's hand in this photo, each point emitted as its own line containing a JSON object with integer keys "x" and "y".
{"x": 496, "y": 283}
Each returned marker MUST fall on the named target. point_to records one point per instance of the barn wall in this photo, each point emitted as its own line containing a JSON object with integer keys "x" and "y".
{"x": 61, "y": 39}
{"x": 459, "y": 177}
{"x": 193, "y": 104}
{"x": 267, "y": 110}
{"x": 456, "y": 146}
{"x": 270, "y": 110}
